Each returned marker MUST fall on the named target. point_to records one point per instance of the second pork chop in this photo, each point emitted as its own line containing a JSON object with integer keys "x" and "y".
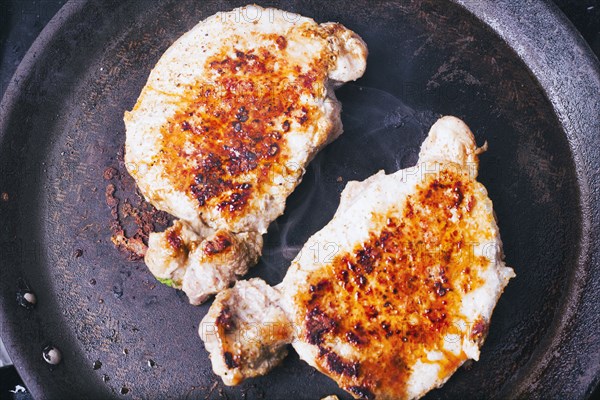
{"x": 392, "y": 296}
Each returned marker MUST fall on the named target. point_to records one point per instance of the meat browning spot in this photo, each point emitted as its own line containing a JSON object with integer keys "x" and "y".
{"x": 281, "y": 42}
{"x": 317, "y": 324}
{"x": 479, "y": 329}
{"x": 229, "y": 360}
{"x": 458, "y": 194}
{"x": 353, "y": 338}
{"x": 362, "y": 392}
{"x": 218, "y": 244}
{"x": 242, "y": 114}
{"x": 319, "y": 287}
{"x": 338, "y": 365}
{"x": 273, "y": 149}
{"x": 225, "y": 320}
{"x": 174, "y": 240}
{"x": 236, "y": 202}
{"x": 440, "y": 290}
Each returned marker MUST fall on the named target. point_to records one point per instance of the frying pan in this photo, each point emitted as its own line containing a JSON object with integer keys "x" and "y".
{"x": 515, "y": 71}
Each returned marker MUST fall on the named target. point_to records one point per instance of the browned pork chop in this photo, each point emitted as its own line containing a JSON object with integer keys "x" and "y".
{"x": 389, "y": 298}
{"x": 222, "y": 132}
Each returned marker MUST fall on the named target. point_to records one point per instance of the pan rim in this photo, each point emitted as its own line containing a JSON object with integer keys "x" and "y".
{"x": 531, "y": 50}
{"x": 8, "y": 101}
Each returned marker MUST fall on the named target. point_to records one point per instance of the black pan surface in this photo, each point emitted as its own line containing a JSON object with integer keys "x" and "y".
{"x": 515, "y": 71}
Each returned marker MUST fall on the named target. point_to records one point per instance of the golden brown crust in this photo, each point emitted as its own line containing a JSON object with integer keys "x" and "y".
{"x": 397, "y": 295}
{"x": 228, "y": 138}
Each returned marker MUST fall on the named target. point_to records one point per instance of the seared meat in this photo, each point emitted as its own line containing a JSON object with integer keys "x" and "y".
{"x": 228, "y": 120}
{"x": 406, "y": 297}
{"x": 201, "y": 265}
{"x": 245, "y": 331}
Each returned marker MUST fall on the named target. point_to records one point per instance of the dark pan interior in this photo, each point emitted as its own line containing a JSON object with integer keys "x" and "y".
{"x": 427, "y": 58}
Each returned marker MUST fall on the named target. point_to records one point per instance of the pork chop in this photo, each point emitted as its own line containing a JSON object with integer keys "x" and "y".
{"x": 221, "y": 134}
{"x": 393, "y": 295}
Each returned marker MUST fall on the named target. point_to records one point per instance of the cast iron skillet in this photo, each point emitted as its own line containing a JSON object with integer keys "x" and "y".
{"x": 516, "y": 71}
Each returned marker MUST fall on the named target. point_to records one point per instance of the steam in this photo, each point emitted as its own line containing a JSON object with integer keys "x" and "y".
{"x": 380, "y": 132}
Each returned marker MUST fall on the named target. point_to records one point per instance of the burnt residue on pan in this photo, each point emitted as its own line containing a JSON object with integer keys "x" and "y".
{"x": 132, "y": 217}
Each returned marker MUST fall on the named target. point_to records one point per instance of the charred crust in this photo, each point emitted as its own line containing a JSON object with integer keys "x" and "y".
{"x": 409, "y": 213}
{"x": 458, "y": 194}
{"x": 349, "y": 264}
{"x": 318, "y": 324}
{"x": 237, "y": 126}
{"x": 217, "y": 245}
{"x": 303, "y": 113}
{"x": 353, "y": 338}
{"x": 225, "y": 320}
{"x": 230, "y": 360}
{"x": 362, "y": 392}
{"x": 365, "y": 258}
{"x": 436, "y": 185}
{"x": 343, "y": 276}
{"x": 320, "y": 287}
{"x": 371, "y": 311}
{"x": 362, "y": 281}
{"x": 273, "y": 150}
{"x": 440, "y": 290}
{"x": 174, "y": 240}
{"x": 479, "y": 330}
{"x": 242, "y": 114}
{"x": 236, "y": 202}
{"x": 340, "y": 366}
{"x": 386, "y": 328}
